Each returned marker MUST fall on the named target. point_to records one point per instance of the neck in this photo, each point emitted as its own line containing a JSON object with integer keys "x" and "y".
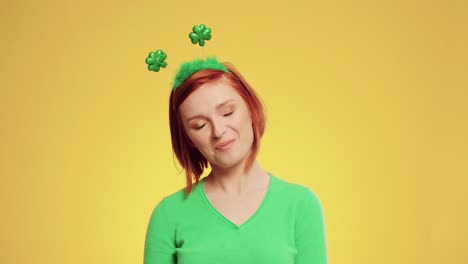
{"x": 236, "y": 181}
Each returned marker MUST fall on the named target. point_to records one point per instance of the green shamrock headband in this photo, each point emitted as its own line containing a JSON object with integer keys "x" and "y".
{"x": 191, "y": 67}
{"x": 199, "y": 34}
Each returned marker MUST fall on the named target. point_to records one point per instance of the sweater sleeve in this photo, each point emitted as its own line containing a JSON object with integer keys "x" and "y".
{"x": 310, "y": 230}
{"x": 159, "y": 243}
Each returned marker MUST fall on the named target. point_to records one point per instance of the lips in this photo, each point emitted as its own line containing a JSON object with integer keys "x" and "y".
{"x": 224, "y": 144}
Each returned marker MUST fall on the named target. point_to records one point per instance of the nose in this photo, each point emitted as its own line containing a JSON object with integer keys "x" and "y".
{"x": 219, "y": 128}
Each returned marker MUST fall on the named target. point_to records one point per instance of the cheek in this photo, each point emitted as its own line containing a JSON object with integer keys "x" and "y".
{"x": 246, "y": 125}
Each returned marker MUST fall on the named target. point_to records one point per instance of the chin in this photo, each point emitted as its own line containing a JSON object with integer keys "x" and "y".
{"x": 231, "y": 158}
{"x": 225, "y": 164}
{"x": 229, "y": 162}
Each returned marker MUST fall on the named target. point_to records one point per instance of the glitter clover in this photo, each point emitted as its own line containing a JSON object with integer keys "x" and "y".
{"x": 155, "y": 60}
{"x": 200, "y": 34}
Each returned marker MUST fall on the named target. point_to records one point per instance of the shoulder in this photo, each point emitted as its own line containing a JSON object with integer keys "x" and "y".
{"x": 178, "y": 202}
{"x": 297, "y": 190}
{"x": 300, "y": 194}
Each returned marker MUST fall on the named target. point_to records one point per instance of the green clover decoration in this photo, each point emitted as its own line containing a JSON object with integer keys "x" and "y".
{"x": 155, "y": 60}
{"x": 200, "y": 34}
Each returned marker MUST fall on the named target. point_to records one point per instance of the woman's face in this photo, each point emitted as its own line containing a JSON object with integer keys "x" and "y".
{"x": 217, "y": 121}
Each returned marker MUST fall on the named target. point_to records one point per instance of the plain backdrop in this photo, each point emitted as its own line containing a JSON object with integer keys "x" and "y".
{"x": 366, "y": 103}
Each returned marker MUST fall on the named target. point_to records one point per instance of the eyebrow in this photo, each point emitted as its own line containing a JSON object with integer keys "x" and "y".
{"x": 218, "y": 106}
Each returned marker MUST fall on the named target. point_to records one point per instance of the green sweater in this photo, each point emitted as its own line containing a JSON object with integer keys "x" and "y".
{"x": 288, "y": 228}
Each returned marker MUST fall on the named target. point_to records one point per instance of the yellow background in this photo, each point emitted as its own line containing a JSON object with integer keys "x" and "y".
{"x": 367, "y": 105}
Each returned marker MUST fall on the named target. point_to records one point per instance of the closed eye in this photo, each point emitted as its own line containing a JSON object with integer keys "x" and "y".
{"x": 228, "y": 114}
{"x": 200, "y": 127}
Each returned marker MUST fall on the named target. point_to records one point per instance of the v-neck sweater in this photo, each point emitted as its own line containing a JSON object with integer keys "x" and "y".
{"x": 287, "y": 228}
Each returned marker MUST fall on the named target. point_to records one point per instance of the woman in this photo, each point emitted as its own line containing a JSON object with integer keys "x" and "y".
{"x": 239, "y": 213}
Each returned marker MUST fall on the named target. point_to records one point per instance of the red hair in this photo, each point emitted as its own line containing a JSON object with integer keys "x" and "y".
{"x": 191, "y": 160}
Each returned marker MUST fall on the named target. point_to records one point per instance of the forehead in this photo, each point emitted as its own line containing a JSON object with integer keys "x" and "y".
{"x": 206, "y": 97}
